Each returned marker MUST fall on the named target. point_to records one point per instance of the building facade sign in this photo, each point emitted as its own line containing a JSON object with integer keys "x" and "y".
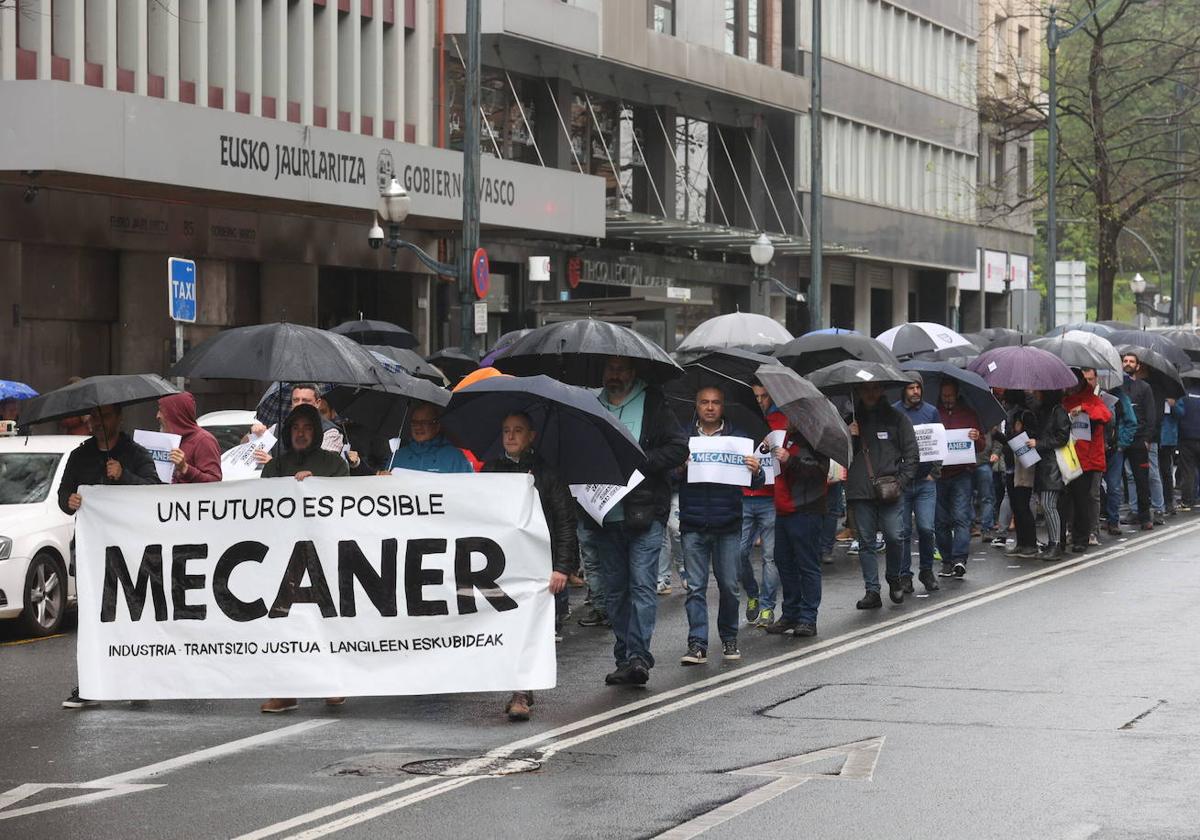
{"x": 60, "y": 127}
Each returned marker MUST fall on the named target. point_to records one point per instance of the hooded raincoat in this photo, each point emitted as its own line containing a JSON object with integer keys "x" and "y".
{"x": 201, "y": 451}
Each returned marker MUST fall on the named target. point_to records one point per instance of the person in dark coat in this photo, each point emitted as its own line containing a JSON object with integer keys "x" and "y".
{"x": 110, "y": 457}
{"x": 558, "y": 506}
{"x": 884, "y": 437}
{"x": 1019, "y": 480}
{"x": 629, "y": 541}
{"x": 1137, "y": 454}
{"x": 1052, "y": 427}
{"x": 197, "y": 459}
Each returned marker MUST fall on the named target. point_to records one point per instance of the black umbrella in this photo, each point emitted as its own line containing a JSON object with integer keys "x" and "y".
{"x": 809, "y": 411}
{"x": 453, "y": 362}
{"x": 576, "y": 352}
{"x": 958, "y": 356}
{"x": 1161, "y": 371}
{"x": 377, "y": 332}
{"x": 732, "y": 371}
{"x": 93, "y": 392}
{"x": 815, "y": 350}
{"x": 1154, "y": 341}
{"x": 842, "y": 377}
{"x": 1073, "y": 353}
{"x": 383, "y": 409}
{"x": 281, "y": 352}
{"x": 576, "y": 435}
{"x": 1083, "y": 326}
{"x": 1187, "y": 341}
{"x": 971, "y": 387}
{"x": 408, "y": 361}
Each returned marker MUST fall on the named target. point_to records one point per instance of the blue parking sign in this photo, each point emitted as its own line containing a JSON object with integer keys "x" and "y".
{"x": 181, "y": 289}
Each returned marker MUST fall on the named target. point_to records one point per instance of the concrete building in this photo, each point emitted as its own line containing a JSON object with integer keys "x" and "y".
{"x": 252, "y": 137}
{"x": 1009, "y": 82}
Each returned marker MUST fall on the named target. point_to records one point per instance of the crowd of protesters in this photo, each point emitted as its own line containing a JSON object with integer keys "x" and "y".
{"x": 766, "y": 543}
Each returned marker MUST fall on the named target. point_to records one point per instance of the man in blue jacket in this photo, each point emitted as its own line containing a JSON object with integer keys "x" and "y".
{"x": 429, "y": 451}
{"x": 1189, "y": 443}
{"x": 710, "y": 526}
{"x": 920, "y": 497}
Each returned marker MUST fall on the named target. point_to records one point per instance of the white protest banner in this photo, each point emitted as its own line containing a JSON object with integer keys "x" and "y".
{"x": 719, "y": 460}
{"x": 319, "y": 588}
{"x": 960, "y": 449}
{"x": 1027, "y": 456}
{"x": 599, "y": 499}
{"x": 931, "y": 441}
{"x": 766, "y": 456}
{"x": 239, "y": 463}
{"x": 159, "y": 445}
{"x": 1081, "y": 426}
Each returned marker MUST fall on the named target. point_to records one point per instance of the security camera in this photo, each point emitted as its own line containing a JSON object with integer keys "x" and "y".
{"x": 375, "y": 236}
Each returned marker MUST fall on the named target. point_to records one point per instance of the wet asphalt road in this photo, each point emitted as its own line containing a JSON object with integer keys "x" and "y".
{"x": 1042, "y": 701}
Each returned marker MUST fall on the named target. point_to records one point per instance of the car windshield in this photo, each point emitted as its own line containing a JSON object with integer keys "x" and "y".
{"x": 229, "y": 436}
{"x": 25, "y": 477}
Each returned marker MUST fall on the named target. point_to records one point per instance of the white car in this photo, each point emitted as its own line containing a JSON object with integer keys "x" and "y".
{"x": 35, "y": 535}
{"x": 228, "y": 427}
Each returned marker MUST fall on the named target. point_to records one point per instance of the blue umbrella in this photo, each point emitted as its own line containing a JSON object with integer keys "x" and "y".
{"x": 833, "y": 331}
{"x": 10, "y": 390}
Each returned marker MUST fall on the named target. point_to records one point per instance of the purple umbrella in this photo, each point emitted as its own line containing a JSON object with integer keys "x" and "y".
{"x": 1025, "y": 368}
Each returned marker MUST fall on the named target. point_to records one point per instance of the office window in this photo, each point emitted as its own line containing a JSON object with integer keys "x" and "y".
{"x": 1022, "y": 172}
{"x": 1022, "y": 42}
{"x": 732, "y": 36}
{"x": 662, "y": 16}
{"x": 998, "y": 164}
{"x": 744, "y": 29}
{"x": 998, "y": 42}
{"x": 754, "y": 44}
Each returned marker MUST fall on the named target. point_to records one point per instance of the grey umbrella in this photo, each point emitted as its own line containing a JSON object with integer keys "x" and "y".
{"x": 808, "y": 411}
{"x": 844, "y": 377}
{"x": 742, "y": 330}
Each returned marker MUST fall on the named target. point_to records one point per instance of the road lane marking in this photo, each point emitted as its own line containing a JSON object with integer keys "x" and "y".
{"x": 735, "y": 808}
{"x": 31, "y": 641}
{"x": 119, "y": 784}
{"x": 718, "y": 685}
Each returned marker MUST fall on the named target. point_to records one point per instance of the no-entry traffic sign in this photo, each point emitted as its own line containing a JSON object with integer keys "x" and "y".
{"x": 480, "y": 272}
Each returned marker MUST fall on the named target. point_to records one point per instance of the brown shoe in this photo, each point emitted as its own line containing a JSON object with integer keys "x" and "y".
{"x": 279, "y": 704}
{"x": 518, "y": 705}
{"x": 844, "y": 534}
{"x": 334, "y": 701}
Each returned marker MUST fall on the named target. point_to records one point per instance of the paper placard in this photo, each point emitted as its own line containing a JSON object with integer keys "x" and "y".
{"x": 864, "y": 375}
{"x": 992, "y": 367}
{"x": 719, "y": 460}
{"x": 1027, "y": 456}
{"x": 1081, "y": 426}
{"x": 238, "y": 463}
{"x": 1109, "y": 400}
{"x": 931, "y": 441}
{"x": 1166, "y": 407}
{"x": 159, "y": 445}
{"x": 960, "y": 449}
{"x": 766, "y": 456}
{"x": 599, "y": 499}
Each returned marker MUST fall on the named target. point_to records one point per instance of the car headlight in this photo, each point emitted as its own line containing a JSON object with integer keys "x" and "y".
{"x": 5, "y": 547}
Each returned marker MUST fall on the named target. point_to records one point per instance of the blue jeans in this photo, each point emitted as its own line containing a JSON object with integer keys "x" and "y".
{"x": 758, "y": 519}
{"x": 835, "y": 509}
{"x": 920, "y": 498}
{"x": 799, "y": 565}
{"x": 871, "y": 517}
{"x": 671, "y": 545}
{"x": 591, "y": 565}
{"x": 629, "y": 571}
{"x": 720, "y": 552}
{"x": 1114, "y": 480}
{"x": 1157, "y": 503}
{"x": 985, "y": 489}
{"x": 953, "y": 521}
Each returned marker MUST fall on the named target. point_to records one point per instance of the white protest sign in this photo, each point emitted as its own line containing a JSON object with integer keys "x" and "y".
{"x": 1027, "y": 456}
{"x": 319, "y": 588}
{"x": 1081, "y": 426}
{"x": 719, "y": 460}
{"x": 960, "y": 449}
{"x": 159, "y": 445}
{"x": 239, "y": 463}
{"x": 599, "y": 499}
{"x": 931, "y": 441}
{"x": 766, "y": 456}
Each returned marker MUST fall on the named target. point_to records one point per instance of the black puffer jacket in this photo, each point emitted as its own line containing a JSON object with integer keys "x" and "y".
{"x": 1053, "y": 426}
{"x": 892, "y": 444}
{"x": 666, "y": 447}
{"x": 558, "y": 506}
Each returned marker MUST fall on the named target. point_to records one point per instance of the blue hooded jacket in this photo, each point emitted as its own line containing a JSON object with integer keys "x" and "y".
{"x": 436, "y": 456}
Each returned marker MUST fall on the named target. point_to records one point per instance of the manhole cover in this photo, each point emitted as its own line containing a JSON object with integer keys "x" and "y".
{"x": 479, "y": 766}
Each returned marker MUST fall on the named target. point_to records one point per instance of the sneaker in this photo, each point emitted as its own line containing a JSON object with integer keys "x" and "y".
{"x": 999, "y": 542}
{"x": 765, "y": 618}
{"x": 695, "y": 655}
{"x": 844, "y": 534}
{"x": 869, "y": 601}
{"x": 279, "y": 704}
{"x": 906, "y": 583}
{"x": 517, "y": 707}
{"x": 729, "y": 650}
{"x": 1114, "y": 530}
{"x": 947, "y": 570}
{"x": 593, "y": 618}
{"x": 751, "y": 609}
{"x": 805, "y": 630}
{"x": 1051, "y": 554}
{"x": 853, "y": 549}
{"x": 896, "y": 590}
{"x": 782, "y": 627}
{"x": 960, "y": 570}
{"x": 1184, "y": 508}
{"x": 1093, "y": 539}
{"x": 639, "y": 672}
{"x": 928, "y": 580}
{"x": 77, "y": 702}
{"x": 664, "y": 588}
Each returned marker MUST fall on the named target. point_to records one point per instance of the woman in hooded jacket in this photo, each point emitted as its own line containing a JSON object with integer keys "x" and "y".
{"x": 197, "y": 459}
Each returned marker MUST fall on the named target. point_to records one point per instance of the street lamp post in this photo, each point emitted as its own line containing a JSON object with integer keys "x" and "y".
{"x": 393, "y": 207}
{"x": 1138, "y": 286}
{"x": 761, "y": 253}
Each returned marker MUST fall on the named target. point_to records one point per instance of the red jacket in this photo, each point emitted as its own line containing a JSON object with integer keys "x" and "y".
{"x": 777, "y": 421}
{"x": 1090, "y": 452}
{"x": 960, "y": 417}
{"x": 200, "y": 448}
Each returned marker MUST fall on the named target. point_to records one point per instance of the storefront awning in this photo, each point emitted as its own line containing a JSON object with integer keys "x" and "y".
{"x": 640, "y": 227}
